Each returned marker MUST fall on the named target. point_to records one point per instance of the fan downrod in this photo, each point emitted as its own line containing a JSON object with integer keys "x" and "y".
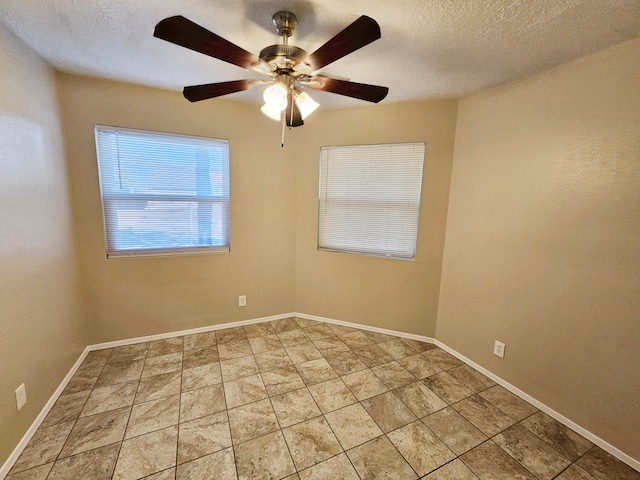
{"x": 285, "y": 23}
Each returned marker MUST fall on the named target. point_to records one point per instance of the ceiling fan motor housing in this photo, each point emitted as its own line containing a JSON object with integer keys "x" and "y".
{"x": 283, "y": 57}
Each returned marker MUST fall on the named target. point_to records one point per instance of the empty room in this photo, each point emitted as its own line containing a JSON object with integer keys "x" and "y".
{"x": 315, "y": 239}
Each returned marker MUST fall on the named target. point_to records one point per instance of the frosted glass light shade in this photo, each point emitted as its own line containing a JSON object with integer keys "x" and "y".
{"x": 306, "y": 104}
{"x": 272, "y": 113}
{"x": 275, "y": 96}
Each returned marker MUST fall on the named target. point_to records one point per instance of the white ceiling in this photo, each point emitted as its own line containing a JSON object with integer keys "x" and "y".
{"x": 429, "y": 48}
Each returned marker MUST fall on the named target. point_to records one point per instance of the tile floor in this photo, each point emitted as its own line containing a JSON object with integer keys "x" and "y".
{"x": 298, "y": 399}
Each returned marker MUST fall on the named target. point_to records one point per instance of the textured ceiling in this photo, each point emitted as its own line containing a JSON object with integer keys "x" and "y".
{"x": 429, "y": 48}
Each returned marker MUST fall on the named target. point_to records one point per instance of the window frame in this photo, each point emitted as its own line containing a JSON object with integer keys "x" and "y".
{"x": 322, "y": 203}
{"x": 108, "y": 201}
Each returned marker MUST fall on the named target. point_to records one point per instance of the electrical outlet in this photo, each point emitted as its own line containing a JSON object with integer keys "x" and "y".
{"x": 498, "y": 349}
{"x": 21, "y": 396}
{"x": 242, "y": 301}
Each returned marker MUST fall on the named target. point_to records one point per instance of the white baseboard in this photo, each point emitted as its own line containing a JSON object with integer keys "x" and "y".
{"x": 4, "y": 470}
{"x": 633, "y": 463}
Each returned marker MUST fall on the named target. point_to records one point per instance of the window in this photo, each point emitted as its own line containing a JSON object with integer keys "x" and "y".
{"x": 370, "y": 199}
{"x": 163, "y": 194}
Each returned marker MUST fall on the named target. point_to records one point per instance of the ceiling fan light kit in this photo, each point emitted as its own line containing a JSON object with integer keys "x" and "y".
{"x": 290, "y": 67}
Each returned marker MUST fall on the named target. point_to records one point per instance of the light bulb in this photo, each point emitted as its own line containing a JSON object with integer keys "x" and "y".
{"x": 275, "y": 96}
{"x": 306, "y": 104}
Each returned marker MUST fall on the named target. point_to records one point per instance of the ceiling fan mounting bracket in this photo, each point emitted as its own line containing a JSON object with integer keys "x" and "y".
{"x": 285, "y": 23}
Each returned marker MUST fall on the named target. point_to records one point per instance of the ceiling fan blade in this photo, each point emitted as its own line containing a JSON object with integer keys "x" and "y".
{"x": 185, "y": 33}
{"x": 360, "y": 33}
{"x": 196, "y": 93}
{"x": 293, "y": 116}
{"x": 363, "y": 91}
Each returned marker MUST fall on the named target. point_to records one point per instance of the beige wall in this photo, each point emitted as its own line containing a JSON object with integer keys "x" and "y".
{"x": 41, "y": 334}
{"x": 132, "y": 297}
{"x": 395, "y": 294}
{"x": 542, "y": 247}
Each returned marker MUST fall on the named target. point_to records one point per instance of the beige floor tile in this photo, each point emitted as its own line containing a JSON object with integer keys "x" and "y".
{"x": 531, "y": 452}
{"x": 285, "y": 324}
{"x": 199, "y": 356}
{"x": 303, "y": 352}
{"x": 373, "y": 355}
{"x": 234, "y": 349}
{"x": 165, "y": 346}
{"x": 153, "y": 415}
{"x": 244, "y": 390}
{"x": 455, "y": 470}
{"x": 305, "y": 322}
{"x": 419, "y": 366}
{"x": 230, "y": 335}
{"x": 341, "y": 330}
{"x": 574, "y": 472}
{"x": 294, "y": 407}
{"x": 315, "y": 371}
{"x": 199, "y": 377}
{"x": 510, "y": 404}
{"x": 203, "y": 436}
{"x": 454, "y": 430}
{"x": 264, "y": 457}
{"x": 488, "y": 418}
{"x": 273, "y": 360}
{"x": 217, "y": 466}
{"x": 110, "y": 397}
{"x": 170, "y": 362}
{"x": 379, "y": 459}
{"x": 128, "y": 353}
{"x": 562, "y": 438}
{"x": 338, "y": 467}
{"x": 345, "y": 363}
{"x": 397, "y": 348}
{"x": 120, "y": 373}
{"x": 332, "y": 395}
{"x": 201, "y": 402}
{"x": 292, "y": 337}
{"x": 330, "y": 345}
{"x": 420, "y": 399}
{"x": 240, "y": 367}
{"x": 96, "y": 431}
{"x": 36, "y": 473}
{"x": 199, "y": 340}
{"x": 282, "y": 380}
{"x": 603, "y": 466}
{"x": 96, "y": 464}
{"x": 388, "y": 411}
{"x": 252, "y": 420}
{"x": 265, "y": 343}
{"x": 420, "y": 447}
{"x": 447, "y": 387}
{"x": 418, "y": 345}
{"x": 442, "y": 359}
{"x": 168, "y": 474}
{"x": 158, "y": 386}
{"x": 85, "y": 378}
{"x": 259, "y": 329}
{"x": 147, "y": 454}
{"x": 488, "y": 461}
{"x": 319, "y": 330}
{"x": 66, "y": 408}
{"x": 311, "y": 442}
{"x": 353, "y": 426}
{"x": 393, "y": 375}
{"x": 364, "y": 384}
{"x": 44, "y": 446}
{"x": 378, "y": 337}
{"x": 470, "y": 377}
{"x": 355, "y": 339}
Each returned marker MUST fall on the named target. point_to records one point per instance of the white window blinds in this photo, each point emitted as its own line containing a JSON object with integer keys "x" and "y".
{"x": 369, "y": 199}
{"x": 163, "y": 194}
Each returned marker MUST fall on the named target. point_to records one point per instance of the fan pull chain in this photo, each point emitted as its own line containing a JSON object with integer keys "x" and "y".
{"x": 284, "y": 122}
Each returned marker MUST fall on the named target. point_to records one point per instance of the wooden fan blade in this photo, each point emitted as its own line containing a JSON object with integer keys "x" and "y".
{"x": 360, "y": 33}
{"x": 370, "y": 93}
{"x": 185, "y": 33}
{"x": 293, "y": 117}
{"x": 196, "y": 93}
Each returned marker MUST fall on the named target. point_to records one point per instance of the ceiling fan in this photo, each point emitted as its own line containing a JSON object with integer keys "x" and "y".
{"x": 290, "y": 67}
